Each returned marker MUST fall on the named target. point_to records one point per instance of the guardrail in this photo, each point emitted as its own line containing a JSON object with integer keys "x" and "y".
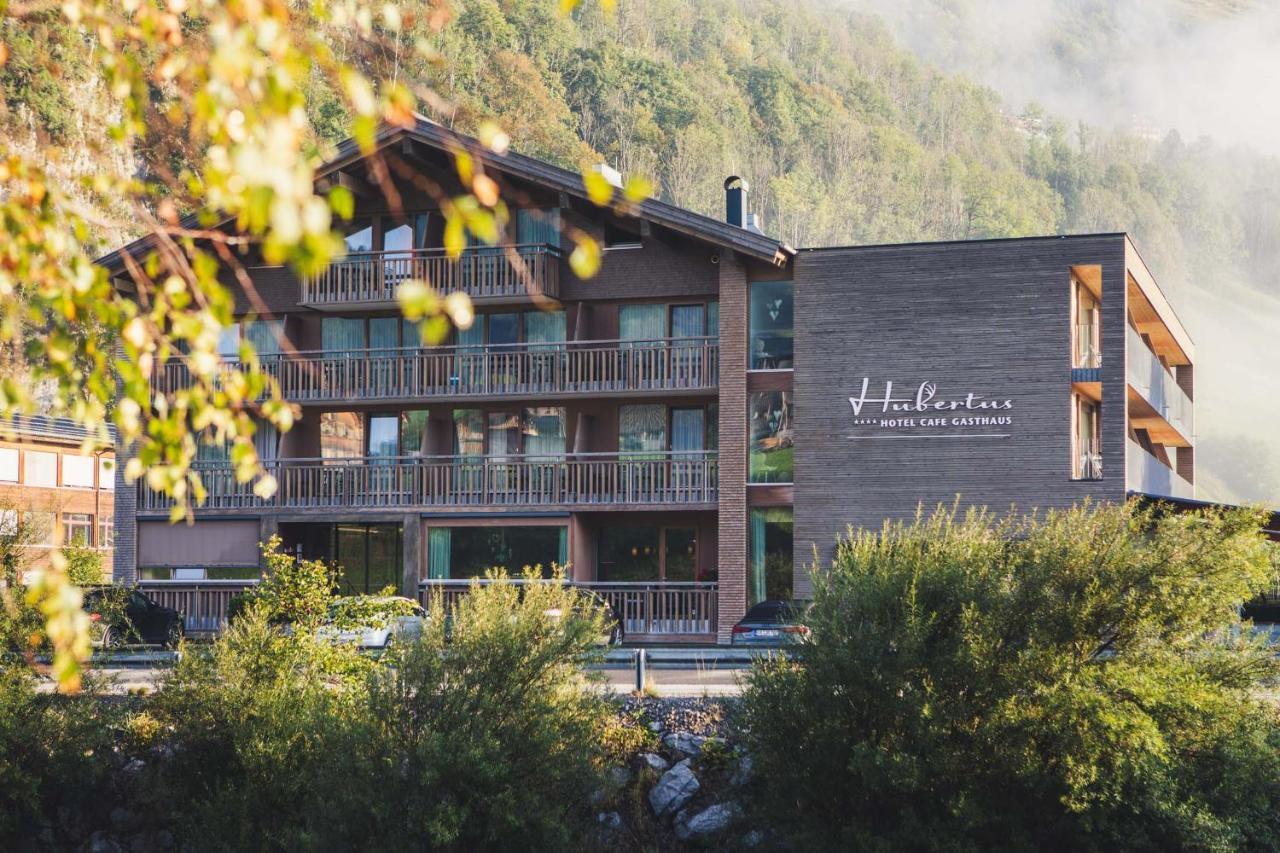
{"x": 1150, "y": 378}
{"x": 648, "y": 611}
{"x": 565, "y": 367}
{"x": 203, "y": 604}
{"x": 676, "y": 478}
{"x": 485, "y": 272}
{"x": 1150, "y": 476}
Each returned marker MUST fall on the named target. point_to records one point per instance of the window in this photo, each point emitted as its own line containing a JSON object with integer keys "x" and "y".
{"x": 9, "y": 464}
{"x": 771, "y": 566}
{"x": 265, "y": 336}
{"x": 106, "y": 531}
{"x": 358, "y": 236}
{"x": 1087, "y": 457}
{"x": 41, "y": 525}
{"x": 772, "y": 325}
{"x": 341, "y": 334}
{"x": 772, "y": 458}
{"x": 8, "y": 522}
{"x": 642, "y": 322}
{"x": 384, "y": 436}
{"x": 642, "y": 429}
{"x": 369, "y": 555}
{"x": 229, "y": 342}
{"x": 1088, "y": 326}
{"x": 41, "y": 469}
{"x": 77, "y": 529}
{"x": 648, "y": 554}
{"x": 468, "y": 552}
{"x": 688, "y": 429}
{"x": 413, "y": 432}
{"x": 106, "y": 472}
{"x": 341, "y": 435}
{"x": 468, "y": 432}
{"x": 77, "y": 471}
{"x": 543, "y": 431}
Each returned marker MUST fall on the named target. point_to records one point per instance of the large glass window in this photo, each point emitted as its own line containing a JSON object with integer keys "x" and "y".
{"x": 771, "y": 567}
{"x": 544, "y": 431}
{"x": 642, "y": 429}
{"x": 9, "y": 464}
{"x": 341, "y": 435}
{"x": 629, "y": 554}
{"x": 642, "y": 322}
{"x": 688, "y": 429}
{"x": 468, "y": 432}
{"x": 339, "y": 334}
{"x": 369, "y": 555}
{"x": 680, "y": 552}
{"x": 358, "y": 236}
{"x": 265, "y": 336}
{"x": 40, "y": 526}
{"x": 413, "y": 432}
{"x": 77, "y": 471}
{"x": 384, "y": 435}
{"x": 772, "y": 325}
{"x": 772, "y": 458}
{"x": 469, "y": 552}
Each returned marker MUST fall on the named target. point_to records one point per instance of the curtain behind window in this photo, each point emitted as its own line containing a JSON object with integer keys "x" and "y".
{"x": 439, "y": 546}
{"x": 264, "y": 336}
{"x": 538, "y": 227}
{"x": 341, "y": 333}
{"x": 544, "y": 431}
{"x": 688, "y": 429}
{"x": 544, "y": 327}
{"x": 642, "y": 322}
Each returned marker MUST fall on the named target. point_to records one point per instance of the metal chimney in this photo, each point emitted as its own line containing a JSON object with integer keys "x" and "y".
{"x": 735, "y": 201}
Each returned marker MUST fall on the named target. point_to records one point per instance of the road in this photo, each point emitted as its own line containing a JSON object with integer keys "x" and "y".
{"x": 700, "y": 675}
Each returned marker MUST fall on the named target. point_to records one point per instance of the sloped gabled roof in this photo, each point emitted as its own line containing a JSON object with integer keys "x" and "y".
{"x": 429, "y": 133}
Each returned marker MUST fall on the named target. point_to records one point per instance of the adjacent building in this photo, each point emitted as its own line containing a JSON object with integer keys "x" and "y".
{"x": 685, "y": 431}
{"x": 60, "y": 492}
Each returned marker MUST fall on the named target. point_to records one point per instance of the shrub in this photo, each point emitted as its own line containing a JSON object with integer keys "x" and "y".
{"x": 1077, "y": 681}
{"x": 485, "y": 739}
{"x": 292, "y": 591}
{"x": 84, "y": 565}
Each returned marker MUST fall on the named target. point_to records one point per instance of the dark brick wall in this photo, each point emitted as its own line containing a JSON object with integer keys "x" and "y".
{"x": 990, "y": 318}
{"x": 732, "y": 530}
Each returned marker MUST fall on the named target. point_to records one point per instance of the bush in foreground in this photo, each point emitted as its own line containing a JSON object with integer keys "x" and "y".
{"x": 1080, "y": 681}
{"x": 481, "y": 737}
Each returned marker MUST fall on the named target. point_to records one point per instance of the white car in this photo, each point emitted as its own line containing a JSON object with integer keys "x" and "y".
{"x": 373, "y": 622}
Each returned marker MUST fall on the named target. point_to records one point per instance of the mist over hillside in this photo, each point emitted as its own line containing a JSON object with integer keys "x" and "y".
{"x": 868, "y": 121}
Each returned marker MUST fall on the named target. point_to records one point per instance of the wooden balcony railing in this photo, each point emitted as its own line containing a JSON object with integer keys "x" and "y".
{"x": 581, "y": 479}
{"x": 486, "y": 272}
{"x": 647, "y": 610}
{"x": 571, "y": 367}
{"x": 203, "y": 604}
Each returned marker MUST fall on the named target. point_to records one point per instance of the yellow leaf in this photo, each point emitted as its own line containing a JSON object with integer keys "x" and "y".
{"x": 637, "y": 189}
{"x": 599, "y": 190}
{"x": 486, "y": 190}
{"x": 585, "y": 259}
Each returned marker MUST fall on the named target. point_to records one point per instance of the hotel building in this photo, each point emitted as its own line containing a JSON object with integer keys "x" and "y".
{"x": 686, "y": 429}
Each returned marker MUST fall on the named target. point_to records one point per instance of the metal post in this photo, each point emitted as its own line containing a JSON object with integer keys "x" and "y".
{"x": 641, "y": 665}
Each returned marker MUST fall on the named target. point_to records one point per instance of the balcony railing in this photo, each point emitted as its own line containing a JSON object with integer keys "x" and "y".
{"x": 1158, "y": 387}
{"x": 488, "y": 272}
{"x": 1149, "y": 476}
{"x": 647, "y": 610}
{"x": 678, "y": 478}
{"x": 203, "y": 604}
{"x": 571, "y": 367}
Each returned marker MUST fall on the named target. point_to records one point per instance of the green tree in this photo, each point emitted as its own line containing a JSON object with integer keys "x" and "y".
{"x": 1077, "y": 681}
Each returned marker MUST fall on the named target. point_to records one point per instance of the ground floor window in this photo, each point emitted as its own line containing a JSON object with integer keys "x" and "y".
{"x": 771, "y": 567}
{"x": 648, "y": 553}
{"x": 77, "y": 529}
{"x": 468, "y": 552}
{"x": 370, "y": 556}
{"x": 197, "y": 573}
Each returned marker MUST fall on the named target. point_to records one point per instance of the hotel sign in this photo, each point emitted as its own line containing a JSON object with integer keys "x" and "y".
{"x": 924, "y": 413}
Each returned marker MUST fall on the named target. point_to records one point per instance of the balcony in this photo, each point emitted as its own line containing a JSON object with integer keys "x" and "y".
{"x": 1158, "y": 387}
{"x": 649, "y": 611}
{"x": 1086, "y": 356}
{"x": 496, "y": 370}
{"x": 1149, "y": 476}
{"x": 580, "y": 480}
{"x": 489, "y": 273}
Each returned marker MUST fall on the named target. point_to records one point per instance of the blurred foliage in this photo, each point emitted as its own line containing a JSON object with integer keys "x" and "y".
{"x": 1077, "y": 681}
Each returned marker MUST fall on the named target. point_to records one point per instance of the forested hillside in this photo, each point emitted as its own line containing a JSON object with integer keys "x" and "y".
{"x": 845, "y": 136}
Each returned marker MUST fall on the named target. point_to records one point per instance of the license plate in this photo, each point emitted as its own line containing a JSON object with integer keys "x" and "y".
{"x": 768, "y": 632}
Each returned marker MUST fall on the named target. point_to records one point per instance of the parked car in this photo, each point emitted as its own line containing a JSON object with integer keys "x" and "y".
{"x": 373, "y": 621}
{"x": 123, "y": 617}
{"x": 771, "y": 623}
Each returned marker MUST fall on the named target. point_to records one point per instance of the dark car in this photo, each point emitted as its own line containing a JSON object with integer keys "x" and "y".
{"x": 771, "y": 623}
{"x": 123, "y": 617}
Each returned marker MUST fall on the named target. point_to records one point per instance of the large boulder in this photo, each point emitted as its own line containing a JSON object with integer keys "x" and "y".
{"x": 676, "y": 787}
{"x": 684, "y": 743}
{"x": 708, "y": 823}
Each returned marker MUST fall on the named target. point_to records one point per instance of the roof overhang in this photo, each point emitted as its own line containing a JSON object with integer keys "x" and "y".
{"x": 428, "y": 133}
